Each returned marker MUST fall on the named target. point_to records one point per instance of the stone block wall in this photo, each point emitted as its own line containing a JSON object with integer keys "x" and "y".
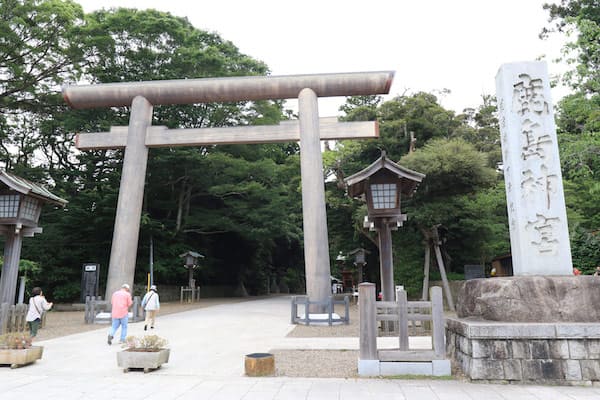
{"x": 560, "y": 353}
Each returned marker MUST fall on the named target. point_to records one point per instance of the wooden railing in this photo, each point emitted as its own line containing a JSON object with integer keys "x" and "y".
{"x": 12, "y": 318}
{"x": 399, "y": 313}
{"x": 94, "y": 305}
{"x": 189, "y": 295}
{"x": 328, "y": 305}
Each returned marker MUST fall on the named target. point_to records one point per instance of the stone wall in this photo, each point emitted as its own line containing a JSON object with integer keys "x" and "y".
{"x": 556, "y": 353}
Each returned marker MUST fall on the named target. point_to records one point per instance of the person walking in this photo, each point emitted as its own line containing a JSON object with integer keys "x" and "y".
{"x": 151, "y": 304}
{"x": 37, "y": 306}
{"x": 120, "y": 301}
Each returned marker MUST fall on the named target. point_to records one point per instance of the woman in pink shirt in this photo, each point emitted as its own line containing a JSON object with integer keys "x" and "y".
{"x": 120, "y": 301}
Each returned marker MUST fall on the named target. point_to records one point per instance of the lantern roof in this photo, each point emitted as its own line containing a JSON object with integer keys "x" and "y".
{"x": 357, "y": 250}
{"x": 28, "y": 188}
{"x": 191, "y": 253}
{"x": 409, "y": 179}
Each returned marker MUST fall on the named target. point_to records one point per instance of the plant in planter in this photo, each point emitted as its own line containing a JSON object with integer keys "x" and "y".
{"x": 16, "y": 350}
{"x": 143, "y": 352}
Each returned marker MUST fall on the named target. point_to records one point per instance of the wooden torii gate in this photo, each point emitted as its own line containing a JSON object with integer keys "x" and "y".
{"x": 140, "y": 135}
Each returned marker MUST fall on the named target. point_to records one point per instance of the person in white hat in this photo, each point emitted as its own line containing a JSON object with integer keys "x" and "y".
{"x": 151, "y": 303}
{"x": 120, "y": 301}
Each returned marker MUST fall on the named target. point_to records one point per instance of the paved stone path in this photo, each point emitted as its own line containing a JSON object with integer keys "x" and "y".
{"x": 207, "y": 351}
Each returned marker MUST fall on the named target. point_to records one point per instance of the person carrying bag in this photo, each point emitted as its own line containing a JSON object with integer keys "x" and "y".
{"x": 37, "y": 306}
{"x": 151, "y": 305}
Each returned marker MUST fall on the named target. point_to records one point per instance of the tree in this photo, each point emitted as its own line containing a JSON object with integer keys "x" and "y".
{"x": 461, "y": 190}
{"x": 578, "y": 122}
{"x": 581, "y": 17}
{"x": 211, "y": 199}
{"x": 39, "y": 49}
{"x": 460, "y": 193}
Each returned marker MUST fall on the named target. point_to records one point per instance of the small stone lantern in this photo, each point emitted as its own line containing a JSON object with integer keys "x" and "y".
{"x": 382, "y": 184}
{"x": 20, "y": 207}
{"x": 190, "y": 259}
{"x": 360, "y": 260}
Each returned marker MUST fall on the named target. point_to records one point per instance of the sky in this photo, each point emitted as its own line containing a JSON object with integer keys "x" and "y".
{"x": 431, "y": 45}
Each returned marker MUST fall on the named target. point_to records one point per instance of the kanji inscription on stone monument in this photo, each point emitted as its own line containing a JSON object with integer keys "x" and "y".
{"x": 539, "y": 234}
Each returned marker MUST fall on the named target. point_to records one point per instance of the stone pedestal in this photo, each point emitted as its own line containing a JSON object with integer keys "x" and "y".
{"x": 555, "y": 353}
{"x": 538, "y": 329}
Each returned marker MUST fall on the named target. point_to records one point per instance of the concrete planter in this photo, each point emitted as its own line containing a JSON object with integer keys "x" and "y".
{"x": 19, "y": 357}
{"x": 146, "y": 360}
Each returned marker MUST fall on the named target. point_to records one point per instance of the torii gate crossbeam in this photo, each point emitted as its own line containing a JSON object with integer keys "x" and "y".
{"x": 142, "y": 96}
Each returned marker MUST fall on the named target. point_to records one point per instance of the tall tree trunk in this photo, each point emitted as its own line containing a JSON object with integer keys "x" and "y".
{"x": 180, "y": 208}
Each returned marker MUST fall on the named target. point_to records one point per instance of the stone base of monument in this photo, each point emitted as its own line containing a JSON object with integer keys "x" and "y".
{"x": 527, "y": 330}
{"x": 557, "y": 353}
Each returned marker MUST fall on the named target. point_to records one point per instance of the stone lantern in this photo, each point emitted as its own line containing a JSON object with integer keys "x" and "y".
{"x": 347, "y": 279}
{"x": 360, "y": 260}
{"x": 382, "y": 184}
{"x": 20, "y": 207}
{"x": 190, "y": 259}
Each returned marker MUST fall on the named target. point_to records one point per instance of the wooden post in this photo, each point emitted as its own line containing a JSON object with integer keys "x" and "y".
{"x": 440, "y": 262}
{"x": 93, "y": 310}
{"x": 86, "y": 312}
{"x": 346, "y": 310}
{"x": 10, "y": 269}
{"x": 402, "y": 319}
{"x": 426, "y": 266}
{"x": 437, "y": 316}
{"x": 386, "y": 262}
{"x": 259, "y": 364}
{"x": 368, "y": 322}
{"x": 306, "y": 312}
{"x": 136, "y": 308}
{"x": 4, "y": 318}
{"x": 294, "y": 310}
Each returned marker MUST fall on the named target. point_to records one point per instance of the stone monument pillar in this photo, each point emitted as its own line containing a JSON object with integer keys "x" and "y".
{"x": 539, "y": 235}
{"x": 540, "y": 326}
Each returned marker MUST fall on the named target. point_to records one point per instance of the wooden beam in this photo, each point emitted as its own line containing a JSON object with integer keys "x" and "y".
{"x": 287, "y": 131}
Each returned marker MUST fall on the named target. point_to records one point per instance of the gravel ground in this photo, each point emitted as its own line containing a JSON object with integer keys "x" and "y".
{"x": 321, "y": 363}
{"x": 316, "y": 363}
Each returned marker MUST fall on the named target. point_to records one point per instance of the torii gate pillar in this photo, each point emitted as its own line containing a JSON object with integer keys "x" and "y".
{"x": 131, "y": 198}
{"x": 316, "y": 244}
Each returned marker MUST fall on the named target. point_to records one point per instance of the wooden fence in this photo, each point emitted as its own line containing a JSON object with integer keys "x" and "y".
{"x": 98, "y": 310}
{"x": 329, "y": 306}
{"x": 12, "y": 318}
{"x": 399, "y": 313}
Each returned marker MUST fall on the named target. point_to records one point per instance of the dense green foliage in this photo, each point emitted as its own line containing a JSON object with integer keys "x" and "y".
{"x": 239, "y": 205}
